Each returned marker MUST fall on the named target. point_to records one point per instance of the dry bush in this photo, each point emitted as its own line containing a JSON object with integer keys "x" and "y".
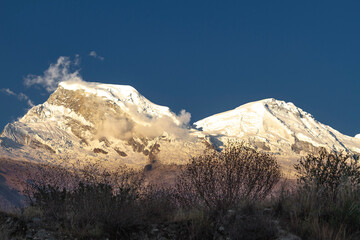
{"x": 221, "y": 180}
{"x": 327, "y": 198}
{"x": 89, "y": 202}
{"x": 42, "y": 175}
{"x": 69, "y": 177}
{"x": 158, "y": 204}
{"x": 327, "y": 172}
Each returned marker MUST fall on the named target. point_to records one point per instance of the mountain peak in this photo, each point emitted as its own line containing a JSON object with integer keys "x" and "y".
{"x": 96, "y": 88}
{"x": 283, "y": 126}
{"x": 275, "y": 103}
{"x": 270, "y": 102}
{"x": 89, "y": 121}
{"x": 125, "y": 96}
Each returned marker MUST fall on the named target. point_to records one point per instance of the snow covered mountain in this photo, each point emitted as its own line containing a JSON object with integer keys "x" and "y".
{"x": 278, "y": 127}
{"x": 115, "y": 124}
{"x": 90, "y": 121}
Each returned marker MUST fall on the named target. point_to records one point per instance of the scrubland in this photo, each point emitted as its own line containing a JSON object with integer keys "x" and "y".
{"x": 238, "y": 193}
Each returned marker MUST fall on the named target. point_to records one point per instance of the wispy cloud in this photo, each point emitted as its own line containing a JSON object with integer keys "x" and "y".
{"x": 8, "y": 91}
{"x": 21, "y": 96}
{"x": 56, "y": 73}
{"x": 77, "y": 60}
{"x": 95, "y": 55}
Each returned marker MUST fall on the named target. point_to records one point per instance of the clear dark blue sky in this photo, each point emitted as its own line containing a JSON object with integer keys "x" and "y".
{"x": 202, "y": 56}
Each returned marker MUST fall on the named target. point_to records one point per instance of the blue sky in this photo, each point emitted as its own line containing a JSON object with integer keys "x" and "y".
{"x": 203, "y": 56}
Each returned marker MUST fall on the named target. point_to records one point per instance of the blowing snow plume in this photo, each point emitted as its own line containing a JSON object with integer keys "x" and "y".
{"x": 56, "y": 73}
{"x": 21, "y": 96}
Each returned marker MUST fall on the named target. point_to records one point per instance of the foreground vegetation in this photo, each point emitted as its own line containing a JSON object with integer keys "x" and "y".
{"x": 233, "y": 194}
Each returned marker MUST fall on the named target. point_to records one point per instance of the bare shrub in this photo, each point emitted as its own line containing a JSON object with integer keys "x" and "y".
{"x": 158, "y": 204}
{"x": 69, "y": 178}
{"x": 328, "y": 197}
{"x": 328, "y": 171}
{"x": 220, "y": 180}
{"x": 90, "y": 201}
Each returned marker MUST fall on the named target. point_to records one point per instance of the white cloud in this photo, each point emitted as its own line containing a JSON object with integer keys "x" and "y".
{"x": 56, "y": 73}
{"x": 30, "y": 103}
{"x": 8, "y": 91}
{"x": 77, "y": 60}
{"x": 95, "y": 55}
{"x": 21, "y": 96}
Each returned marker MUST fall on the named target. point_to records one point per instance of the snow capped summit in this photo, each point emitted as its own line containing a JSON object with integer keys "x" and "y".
{"x": 357, "y": 136}
{"x": 123, "y": 95}
{"x": 277, "y": 126}
{"x": 83, "y": 121}
{"x": 254, "y": 117}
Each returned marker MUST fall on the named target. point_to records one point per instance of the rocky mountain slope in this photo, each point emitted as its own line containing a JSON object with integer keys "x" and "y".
{"x": 82, "y": 122}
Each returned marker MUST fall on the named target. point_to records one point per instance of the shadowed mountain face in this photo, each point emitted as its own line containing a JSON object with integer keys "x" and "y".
{"x": 114, "y": 124}
{"x": 12, "y": 174}
{"x": 9, "y": 198}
